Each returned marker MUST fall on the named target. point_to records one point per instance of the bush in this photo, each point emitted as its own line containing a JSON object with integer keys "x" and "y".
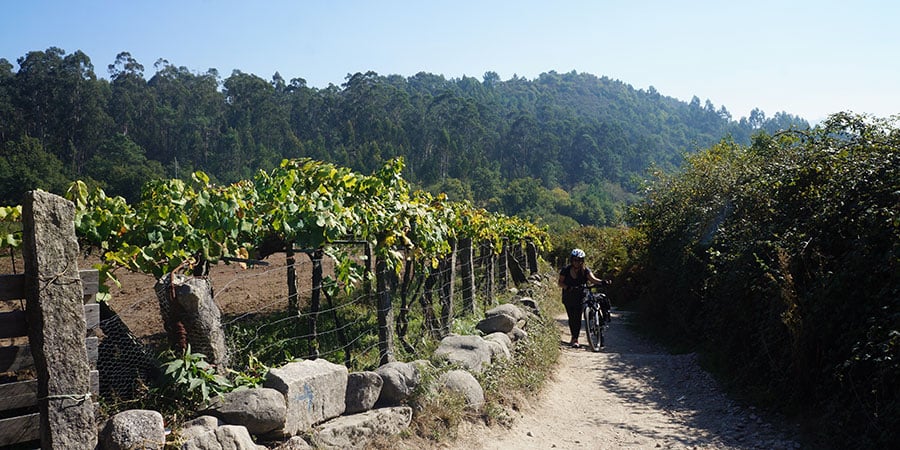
{"x": 784, "y": 254}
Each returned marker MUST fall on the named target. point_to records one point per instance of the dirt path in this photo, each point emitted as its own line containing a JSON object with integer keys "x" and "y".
{"x": 632, "y": 395}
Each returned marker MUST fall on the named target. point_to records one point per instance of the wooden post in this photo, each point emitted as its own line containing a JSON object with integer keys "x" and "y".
{"x": 487, "y": 255}
{"x": 367, "y": 283}
{"x": 290, "y": 261}
{"x": 503, "y": 266}
{"x": 468, "y": 275}
{"x": 314, "y": 302}
{"x": 385, "y": 312}
{"x": 448, "y": 280}
{"x": 427, "y": 302}
{"x": 57, "y": 327}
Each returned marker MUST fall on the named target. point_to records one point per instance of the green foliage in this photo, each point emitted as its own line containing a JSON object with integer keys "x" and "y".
{"x": 25, "y": 165}
{"x": 472, "y": 139}
{"x": 11, "y": 226}
{"x": 190, "y": 381}
{"x": 784, "y": 254}
{"x": 121, "y": 166}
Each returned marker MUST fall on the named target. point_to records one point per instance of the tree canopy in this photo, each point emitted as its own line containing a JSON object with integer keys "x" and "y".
{"x": 572, "y": 144}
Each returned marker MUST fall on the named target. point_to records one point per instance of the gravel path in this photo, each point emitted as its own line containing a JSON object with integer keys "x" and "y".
{"x": 632, "y": 395}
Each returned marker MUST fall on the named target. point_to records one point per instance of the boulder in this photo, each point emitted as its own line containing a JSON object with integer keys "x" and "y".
{"x": 400, "y": 379}
{"x": 355, "y": 431}
{"x": 470, "y": 351}
{"x": 530, "y": 305}
{"x": 464, "y": 383}
{"x": 225, "y": 437}
{"x": 294, "y": 443}
{"x": 498, "y": 350}
{"x": 501, "y": 338}
{"x": 197, "y": 427}
{"x": 314, "y": 390}
{"x": 194, "y": 311}
{"x": 136, "y": 428}
{"x": 517, "y": 334}
{"x": 498, "y": 322}
{"x": 363, "y": 390}
{"x": 507, "y": 308}
{"x": 260, "y": 410}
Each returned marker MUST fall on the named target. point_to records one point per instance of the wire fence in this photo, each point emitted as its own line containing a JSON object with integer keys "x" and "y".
{"x": 267, "y": 324}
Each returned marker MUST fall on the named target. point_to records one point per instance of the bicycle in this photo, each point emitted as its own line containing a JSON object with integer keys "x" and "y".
{"x": 596, "y": 314}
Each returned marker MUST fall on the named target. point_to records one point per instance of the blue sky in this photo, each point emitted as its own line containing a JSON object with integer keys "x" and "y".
{"x": 807, "y": 58}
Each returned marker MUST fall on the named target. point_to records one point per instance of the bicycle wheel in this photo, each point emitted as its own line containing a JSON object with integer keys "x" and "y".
{"x": 593, "y": 327}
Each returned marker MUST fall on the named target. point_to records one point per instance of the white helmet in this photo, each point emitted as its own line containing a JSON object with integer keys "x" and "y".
{"x": 577, "y": 253}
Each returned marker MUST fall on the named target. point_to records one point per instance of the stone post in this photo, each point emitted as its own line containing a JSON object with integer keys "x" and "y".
{"x": 531, "y": 257}
{"x": 57, "y": 327}
{"x": 191, "y": 316}
{"x": 515, "y": 263}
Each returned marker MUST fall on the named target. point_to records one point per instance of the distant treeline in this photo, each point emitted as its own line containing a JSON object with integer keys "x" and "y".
{"x": 561, "y": 149}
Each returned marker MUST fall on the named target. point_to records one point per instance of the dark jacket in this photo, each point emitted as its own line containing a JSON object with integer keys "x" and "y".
{"x": 572, "y": 292}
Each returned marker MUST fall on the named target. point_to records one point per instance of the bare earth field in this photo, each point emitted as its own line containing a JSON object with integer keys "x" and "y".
{"x": 237, "y": 290}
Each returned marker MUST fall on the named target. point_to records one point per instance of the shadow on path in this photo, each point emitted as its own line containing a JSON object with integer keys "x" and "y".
{"x": 688, "y": 408}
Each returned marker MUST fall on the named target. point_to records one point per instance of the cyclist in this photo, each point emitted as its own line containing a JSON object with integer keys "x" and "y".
{"x": 572, "y": 280}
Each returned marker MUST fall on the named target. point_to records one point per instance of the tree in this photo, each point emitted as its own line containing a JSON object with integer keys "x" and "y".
{"x": 121, "y": 166}
{"x": 12, "y": 120}
{"x": 61, "y": 96}
{"x": 132, "y": 103}
{"x": 25, "y": 166}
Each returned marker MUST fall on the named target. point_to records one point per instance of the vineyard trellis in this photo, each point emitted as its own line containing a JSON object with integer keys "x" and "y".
{"x": 320, "y": 210}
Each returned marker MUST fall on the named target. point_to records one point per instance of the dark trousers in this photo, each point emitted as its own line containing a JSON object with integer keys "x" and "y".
{"x": 573, "y": 310}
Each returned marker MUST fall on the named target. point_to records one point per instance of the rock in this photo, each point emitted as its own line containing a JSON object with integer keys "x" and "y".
{"x": 354, "y": 431}
{"x": 260, "y": 410}
{"x": 400, "y": 379}
{"x": 314, "y": 392}
{"x": 133, "y": 429}
{"x": 294, "y": 443}
{"x": 498, "y": 322}
{"x": 498, "y": 350}
{"x": 363, "y": 390}
{"x": 197, "y": 427}
{"x": 225, "y": 437}
{"x": 462, "y": 382}
{"x": 530, "y": 305}
{"x": 509, "y": 309}
{"x": 195, "y": 309}
{"x": 517, "y": 334}
{"x": 471, "y": 352}
{"x": 501, "y": 338}
{"x": 421, "y": 366}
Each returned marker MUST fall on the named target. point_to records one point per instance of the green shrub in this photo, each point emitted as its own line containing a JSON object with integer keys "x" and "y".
{"x": 781, "y": 260}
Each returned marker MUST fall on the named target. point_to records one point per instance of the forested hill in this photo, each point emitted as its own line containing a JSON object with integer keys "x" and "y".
{"x": 560, "y": 149}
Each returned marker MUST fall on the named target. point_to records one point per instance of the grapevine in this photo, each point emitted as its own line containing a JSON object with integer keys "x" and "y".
{"x": 180, "y": 226}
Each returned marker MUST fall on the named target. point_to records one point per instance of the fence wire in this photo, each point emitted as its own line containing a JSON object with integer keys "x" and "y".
{"x": 264, "y": 326}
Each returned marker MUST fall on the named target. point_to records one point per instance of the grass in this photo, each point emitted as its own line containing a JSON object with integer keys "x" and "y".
{"x": 507, "y": 384}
